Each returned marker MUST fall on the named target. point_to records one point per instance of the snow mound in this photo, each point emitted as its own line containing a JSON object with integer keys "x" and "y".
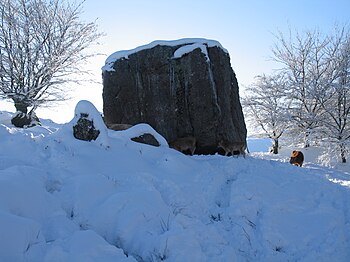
{"x": 63, "y": 199}
{"x": 87, "y": 109}
{"x": 139, "y": 130}
{"x": 189, "y": 44}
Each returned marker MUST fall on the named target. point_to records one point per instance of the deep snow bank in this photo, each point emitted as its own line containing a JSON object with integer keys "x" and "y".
{"x": 62, "y": 199}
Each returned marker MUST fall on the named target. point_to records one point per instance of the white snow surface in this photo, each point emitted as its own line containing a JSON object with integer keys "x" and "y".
{"x": 189, "y": 44}
{"x": 189, "y": 48}
{"x": 63, "y": 199}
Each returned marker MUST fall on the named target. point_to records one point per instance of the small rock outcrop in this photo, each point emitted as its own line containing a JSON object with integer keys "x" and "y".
{"x": 85, "y": 129}
{"x": 181, "y": 88}
{"x": 144, "y": 139}
{"x": 147, "y": 139}
{"x": 88, "y": 124}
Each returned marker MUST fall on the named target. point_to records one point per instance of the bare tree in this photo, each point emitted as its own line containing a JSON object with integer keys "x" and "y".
{"x": 42, "y": 43}
{"x": 266, "y": 106}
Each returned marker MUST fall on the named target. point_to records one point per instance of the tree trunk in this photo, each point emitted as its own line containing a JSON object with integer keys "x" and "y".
{"x": 343, "y": 153}
{"x": 21, "y": 106}
{"x": 275, "y": 146}
{"x": 22, "y": 118}
{"x": 307, "y": 139}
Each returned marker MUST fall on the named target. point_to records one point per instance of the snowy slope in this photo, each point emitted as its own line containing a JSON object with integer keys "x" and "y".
{"x": 62, "y": 199}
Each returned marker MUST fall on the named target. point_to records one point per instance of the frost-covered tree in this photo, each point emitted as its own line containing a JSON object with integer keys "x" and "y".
{"x": 42, "y": 43}
{"x": 305, "y": 63}
{"x": 318, "y": 69}
{"x": 266, "y": 106}
{"x": 336, "y": 99}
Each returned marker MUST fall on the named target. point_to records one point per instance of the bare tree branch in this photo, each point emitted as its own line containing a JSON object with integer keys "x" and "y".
{"x": 42, "y": 46}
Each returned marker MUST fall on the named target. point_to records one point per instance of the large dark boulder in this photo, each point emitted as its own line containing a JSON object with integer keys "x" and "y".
{"x": 181, "y": 88}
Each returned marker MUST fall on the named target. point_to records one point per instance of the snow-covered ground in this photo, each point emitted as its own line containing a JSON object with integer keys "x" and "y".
{"x": 63, "y": 199}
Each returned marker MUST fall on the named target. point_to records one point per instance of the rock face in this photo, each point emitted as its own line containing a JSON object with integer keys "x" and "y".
{"x": 181, "y": 88}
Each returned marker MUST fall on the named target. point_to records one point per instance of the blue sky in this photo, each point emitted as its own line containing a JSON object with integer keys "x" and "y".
{"x": 245, "y": 28}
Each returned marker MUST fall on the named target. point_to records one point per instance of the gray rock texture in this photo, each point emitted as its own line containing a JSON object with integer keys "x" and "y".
{"x": 181, "y": 88}
{"x": 84, "y": 129}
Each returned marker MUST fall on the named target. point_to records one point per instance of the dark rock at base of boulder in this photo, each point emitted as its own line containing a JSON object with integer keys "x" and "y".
{"x": 85, "y": 129}
{"x": 146, "y": 139}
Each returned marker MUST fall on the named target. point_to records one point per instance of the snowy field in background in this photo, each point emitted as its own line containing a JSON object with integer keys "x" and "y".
{"x": 314, "y": 156}
{"x": 62, "y": 199}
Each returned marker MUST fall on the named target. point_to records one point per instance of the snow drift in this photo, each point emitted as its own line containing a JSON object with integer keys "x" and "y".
{"x": 63, "y": 199}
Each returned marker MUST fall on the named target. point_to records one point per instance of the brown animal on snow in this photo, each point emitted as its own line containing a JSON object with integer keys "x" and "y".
{"x": 183, "y": 144}
{"x": 297, "y": 158}
{"x": 118, "y": 127}
{"x": 232, "y": 147}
